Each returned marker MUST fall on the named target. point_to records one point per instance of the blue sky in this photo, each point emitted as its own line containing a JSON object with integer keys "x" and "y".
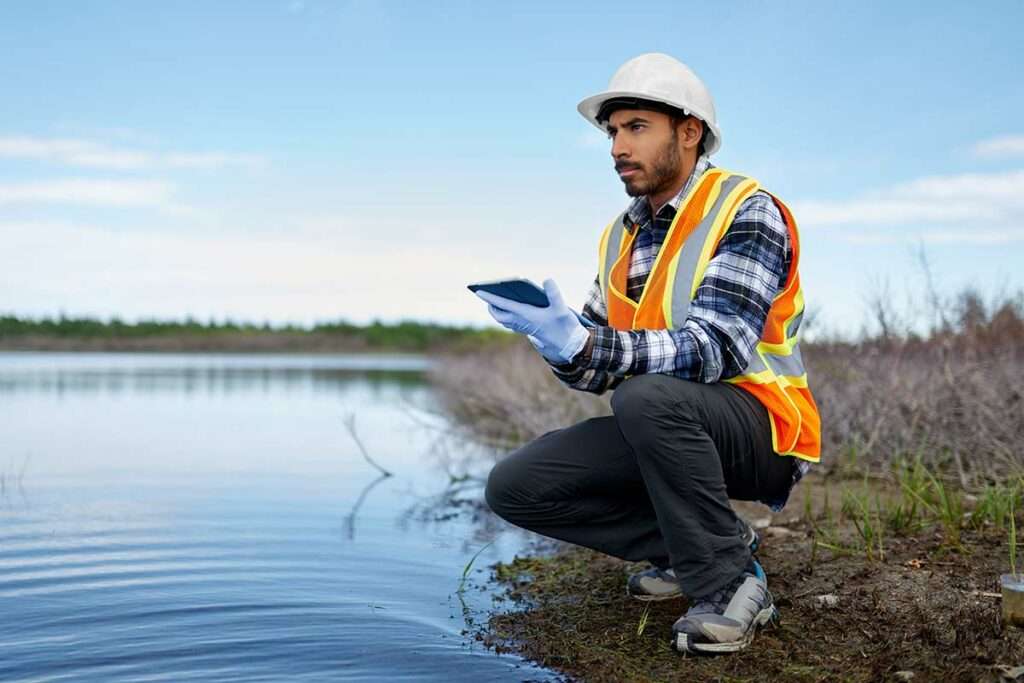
{"x": 302, "y": 161}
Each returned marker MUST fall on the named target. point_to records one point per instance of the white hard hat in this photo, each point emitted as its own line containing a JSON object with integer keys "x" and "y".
{"x": 659, "y": 78}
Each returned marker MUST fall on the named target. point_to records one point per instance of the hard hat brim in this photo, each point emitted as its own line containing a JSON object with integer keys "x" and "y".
{"x": 590, "y": 106}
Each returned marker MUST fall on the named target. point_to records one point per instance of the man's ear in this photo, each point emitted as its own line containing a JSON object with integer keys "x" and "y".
{"x": 691, "y": 130}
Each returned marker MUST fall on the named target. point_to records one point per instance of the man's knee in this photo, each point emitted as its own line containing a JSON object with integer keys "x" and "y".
{"x": 503, "y": 490}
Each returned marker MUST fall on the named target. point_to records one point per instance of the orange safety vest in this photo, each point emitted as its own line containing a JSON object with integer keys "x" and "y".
{"x": 775, "y": 374}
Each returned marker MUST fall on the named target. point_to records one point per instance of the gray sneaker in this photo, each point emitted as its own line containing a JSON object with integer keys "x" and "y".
{"x": 661, "y": 584}
{"x": 726, "y": 620}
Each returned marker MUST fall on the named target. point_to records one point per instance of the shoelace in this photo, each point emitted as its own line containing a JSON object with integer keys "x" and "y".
{"x": 717, "y": 602}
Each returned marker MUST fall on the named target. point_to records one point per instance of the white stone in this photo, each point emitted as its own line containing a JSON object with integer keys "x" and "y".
{"x": 829, "y": 600}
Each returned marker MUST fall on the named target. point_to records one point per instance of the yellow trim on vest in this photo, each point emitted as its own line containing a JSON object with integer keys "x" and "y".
{"x": 722, "y": 222}
{"x": 783, "y": 382}
{"x": 657, "y": 260}
{"x": 763, "y": 377}
{"x": 666, "y": 301}
{"x": 783, "y": 349}
{"x": 798, "y": 308}
{"x": 799, "y": 422}
{"x": 800, "y": 382}
{"x": 803, "y": 456}
{"x": 611, "y": 285}
{"x": 713, "y": 196}
{"x": 602, "y": 246}
{"x": 675, "y": 222}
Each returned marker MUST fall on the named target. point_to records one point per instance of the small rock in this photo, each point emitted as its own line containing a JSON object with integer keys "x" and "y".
{"x": 829, "y": 600}
{"x": 905, "y": 675}
{"x": 761, "y": 522}
{"x": 777, "y": 531}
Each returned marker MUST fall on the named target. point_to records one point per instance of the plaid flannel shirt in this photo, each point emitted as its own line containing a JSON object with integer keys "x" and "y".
{"x": 725, "y": 319}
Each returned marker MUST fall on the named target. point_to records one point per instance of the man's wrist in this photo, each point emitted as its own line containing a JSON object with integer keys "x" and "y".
{"x": 580, "y": 358}
{"x": 588, "y": 349}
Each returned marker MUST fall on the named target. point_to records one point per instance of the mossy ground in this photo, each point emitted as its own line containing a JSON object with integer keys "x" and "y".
{"x": 922, "y": 608}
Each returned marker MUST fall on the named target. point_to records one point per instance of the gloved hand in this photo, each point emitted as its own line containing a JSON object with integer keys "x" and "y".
{"x": 554, "y": 330}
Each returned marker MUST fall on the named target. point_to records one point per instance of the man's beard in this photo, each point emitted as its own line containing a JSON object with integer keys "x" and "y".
{"x": 663, "y": 173}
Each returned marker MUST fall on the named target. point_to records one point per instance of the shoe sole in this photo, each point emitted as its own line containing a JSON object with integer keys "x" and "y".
{"x": 647, "y": 597}
{"x": 754, "y": 543}
{"x": 768, "y": 614}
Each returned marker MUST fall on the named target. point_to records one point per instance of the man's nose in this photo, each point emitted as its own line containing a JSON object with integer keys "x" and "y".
{"x": 620, "y": 150}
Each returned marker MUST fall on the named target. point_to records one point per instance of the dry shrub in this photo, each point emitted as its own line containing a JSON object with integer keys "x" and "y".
{"x": 953, "y": 396}
{"x": 505, "y": 395}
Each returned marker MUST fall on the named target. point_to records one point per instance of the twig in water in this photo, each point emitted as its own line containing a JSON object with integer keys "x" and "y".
{"x": 350, "y": 424}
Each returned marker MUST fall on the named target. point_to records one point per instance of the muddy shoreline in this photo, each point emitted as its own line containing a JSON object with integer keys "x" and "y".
{"x": 922, "y": 612}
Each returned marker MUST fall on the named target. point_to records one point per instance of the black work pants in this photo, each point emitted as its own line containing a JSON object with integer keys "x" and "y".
{"x": 652, "y": 481}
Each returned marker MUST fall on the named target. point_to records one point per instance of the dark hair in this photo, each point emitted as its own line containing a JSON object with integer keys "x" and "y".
{"x": 675, "y": 114}
{"x": 610, "y": 106}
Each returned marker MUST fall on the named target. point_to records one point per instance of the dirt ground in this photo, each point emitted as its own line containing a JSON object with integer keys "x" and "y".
{"x": 923, "y": 612}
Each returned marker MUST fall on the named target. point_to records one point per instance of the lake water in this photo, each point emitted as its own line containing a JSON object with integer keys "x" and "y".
{"x": 191, "y": 517}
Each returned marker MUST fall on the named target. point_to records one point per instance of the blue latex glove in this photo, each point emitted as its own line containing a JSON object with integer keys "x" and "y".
{"x": 555, "y": 330}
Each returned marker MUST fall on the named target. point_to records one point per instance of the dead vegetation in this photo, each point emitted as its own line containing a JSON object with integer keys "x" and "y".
{"x": 955, "y": 397}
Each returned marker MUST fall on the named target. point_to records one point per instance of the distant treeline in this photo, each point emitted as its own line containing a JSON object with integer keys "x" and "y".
{"x": 70, "y": 333}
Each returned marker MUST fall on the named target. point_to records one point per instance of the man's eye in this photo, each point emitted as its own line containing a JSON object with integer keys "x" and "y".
{"x": 636, "y": 126}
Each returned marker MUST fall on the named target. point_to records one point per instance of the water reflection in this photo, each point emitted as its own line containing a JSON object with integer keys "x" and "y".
{"x": 205, "y": 374}
{"x": 350, "y": 518}
{"x": 209, "y": 518}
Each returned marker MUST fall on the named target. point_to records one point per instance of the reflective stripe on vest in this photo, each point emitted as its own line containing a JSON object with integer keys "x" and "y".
{"x": 775, "y": 372}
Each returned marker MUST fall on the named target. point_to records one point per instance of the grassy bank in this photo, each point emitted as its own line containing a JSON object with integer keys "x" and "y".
{"x": 885, "y": 561}
{"x": 908, "y": 603}
{"x": 91, "y": 334}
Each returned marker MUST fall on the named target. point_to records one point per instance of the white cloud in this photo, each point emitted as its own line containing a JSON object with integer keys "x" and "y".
{"x": 987, "y": 206}
{"x": 213, "y": 160}
{"x": 88, "y": 153}
{"x": 177, "y": 271}
{"x": 71, "y": 152}
{"x": 1000, "y": 147}
{"x": 89, "y": 191}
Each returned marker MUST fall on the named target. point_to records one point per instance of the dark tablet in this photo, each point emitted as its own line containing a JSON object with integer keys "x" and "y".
{"x": 523, "y": 291}
{"x": 517, "y": 289}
